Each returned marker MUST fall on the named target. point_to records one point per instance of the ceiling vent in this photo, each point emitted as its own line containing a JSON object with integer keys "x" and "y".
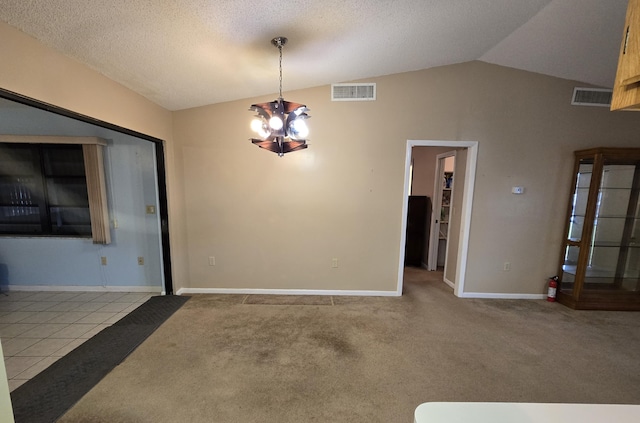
{"x": 591, "y": 97}
{"x": 353, "y": 92}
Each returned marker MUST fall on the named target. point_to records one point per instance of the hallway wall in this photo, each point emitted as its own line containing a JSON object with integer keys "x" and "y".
{"x": 131, "y": 185}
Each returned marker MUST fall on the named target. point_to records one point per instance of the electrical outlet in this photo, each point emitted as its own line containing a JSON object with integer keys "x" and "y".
{"x": 212, "y": 261}
{"x": 151, "y": 209}
{"x": 141, "y": 261}
{"x": 334, "y": 262}
{"x": 103, "y": 260}
{"x": 507, "y": 266}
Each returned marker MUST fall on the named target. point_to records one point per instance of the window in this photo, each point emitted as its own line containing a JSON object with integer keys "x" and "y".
{"x": 50, "y": 189}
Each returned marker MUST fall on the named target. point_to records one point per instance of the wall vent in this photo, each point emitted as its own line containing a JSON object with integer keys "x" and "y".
{"x": 353, "y": 92}
{"x": 591, "y": 97}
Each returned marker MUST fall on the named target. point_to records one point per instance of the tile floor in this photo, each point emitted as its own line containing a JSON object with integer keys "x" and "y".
{"x": 37, "y": 328}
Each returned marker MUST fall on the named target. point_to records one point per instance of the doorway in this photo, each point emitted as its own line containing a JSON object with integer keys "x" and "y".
{"x": 143, "y": 175}
{"x": 459, "y": 233}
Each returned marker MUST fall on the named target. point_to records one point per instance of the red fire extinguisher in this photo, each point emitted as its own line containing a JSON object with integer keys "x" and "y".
{"x": 553, "y": 287}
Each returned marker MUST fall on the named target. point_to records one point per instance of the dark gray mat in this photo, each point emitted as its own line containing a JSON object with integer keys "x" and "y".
{"x": 55, "y": 390}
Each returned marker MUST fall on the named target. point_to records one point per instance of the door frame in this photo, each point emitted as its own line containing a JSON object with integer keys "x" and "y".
{"x": 467, "y": 205}
{"x": 434, "y": 229}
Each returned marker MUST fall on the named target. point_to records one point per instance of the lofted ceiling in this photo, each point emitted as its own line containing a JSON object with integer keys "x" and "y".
{"x": 187, "y": 53}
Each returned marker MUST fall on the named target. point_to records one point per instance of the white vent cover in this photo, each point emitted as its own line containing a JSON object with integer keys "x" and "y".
{"x": 591, "y": 97}
{"x": 353, "y": 92}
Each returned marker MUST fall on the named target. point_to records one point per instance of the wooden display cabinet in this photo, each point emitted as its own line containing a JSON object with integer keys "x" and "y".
{"x": 600, "y": 262}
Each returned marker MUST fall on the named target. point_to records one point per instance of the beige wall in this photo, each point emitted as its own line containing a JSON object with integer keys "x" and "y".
{"x": 527, "y": 131}
{"x": 33, "y": 70}
{"x": 424, "y": 169}
{"x": 277, "y": 222}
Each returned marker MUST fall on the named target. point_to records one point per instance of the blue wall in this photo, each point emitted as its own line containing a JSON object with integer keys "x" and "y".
{"x": 131, "y": 186}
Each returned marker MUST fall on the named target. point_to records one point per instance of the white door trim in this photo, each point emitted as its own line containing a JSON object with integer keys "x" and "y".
{"x": 467, "y": 205}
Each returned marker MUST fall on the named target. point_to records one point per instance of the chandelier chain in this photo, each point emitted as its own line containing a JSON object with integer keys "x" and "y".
{"x": 280, "y": 48}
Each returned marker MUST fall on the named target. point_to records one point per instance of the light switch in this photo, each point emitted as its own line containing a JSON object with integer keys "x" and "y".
{"x": 151, "y": 209}
{"x": 517, "y": 190}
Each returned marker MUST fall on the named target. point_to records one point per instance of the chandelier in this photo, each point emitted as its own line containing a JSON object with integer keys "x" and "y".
{"x": 280, "y": 124}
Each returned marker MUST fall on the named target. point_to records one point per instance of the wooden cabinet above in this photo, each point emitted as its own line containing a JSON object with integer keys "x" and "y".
{"x": 626, "y": 89}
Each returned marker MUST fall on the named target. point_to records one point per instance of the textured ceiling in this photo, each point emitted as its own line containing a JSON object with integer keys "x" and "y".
{"x": 188, "y": 53}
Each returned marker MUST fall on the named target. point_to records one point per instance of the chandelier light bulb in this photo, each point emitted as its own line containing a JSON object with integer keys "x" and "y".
{"x": 256, "y": 125}
{"x": 275, "y": 123}
{"x": 299, "y": 129}
{"x": 260, "y": 127}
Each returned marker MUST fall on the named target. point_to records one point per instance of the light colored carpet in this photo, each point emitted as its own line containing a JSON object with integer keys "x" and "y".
{"x": 363, "y": 359}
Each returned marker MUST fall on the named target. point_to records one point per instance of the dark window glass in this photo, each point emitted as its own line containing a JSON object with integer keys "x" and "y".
{"x": 43, "y": 190}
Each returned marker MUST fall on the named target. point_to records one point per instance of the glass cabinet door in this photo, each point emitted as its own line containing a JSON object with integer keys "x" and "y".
{"x": 576, "y": 225}
{"x": 613, "y": 248}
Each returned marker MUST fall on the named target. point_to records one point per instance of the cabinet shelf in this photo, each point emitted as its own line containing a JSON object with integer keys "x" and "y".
{"x": 614, "y": 244}
{"x": 611, "y": 216}
{"x": 445, "y": 211}
{"x": 600, "y": 272}
{"x": 605, "y": 244}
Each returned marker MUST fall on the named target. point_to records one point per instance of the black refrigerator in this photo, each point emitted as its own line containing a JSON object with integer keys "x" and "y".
{"x": 418, "y": 226}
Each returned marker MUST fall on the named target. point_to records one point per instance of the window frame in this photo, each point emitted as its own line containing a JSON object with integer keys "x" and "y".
{"x": 93, "y": 157}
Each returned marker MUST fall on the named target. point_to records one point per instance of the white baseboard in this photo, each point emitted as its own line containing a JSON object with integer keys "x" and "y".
{"x": 448, "y": 282}
{"x": 491, "y": 295}
{"x": 74, "y": 288}
{"x": 248, "y": 291}
{"x": 338, "y": 292}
